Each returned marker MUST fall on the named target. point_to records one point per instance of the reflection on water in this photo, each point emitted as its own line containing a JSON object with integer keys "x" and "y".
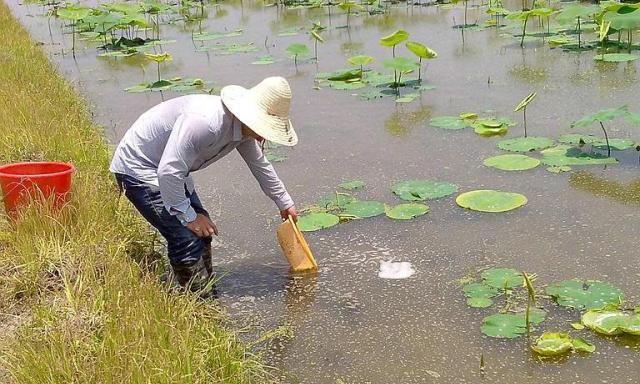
{"x": 628, "y": 193}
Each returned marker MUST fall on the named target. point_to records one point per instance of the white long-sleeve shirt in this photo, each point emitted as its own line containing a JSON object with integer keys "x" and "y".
{"x": 186, "y": 134}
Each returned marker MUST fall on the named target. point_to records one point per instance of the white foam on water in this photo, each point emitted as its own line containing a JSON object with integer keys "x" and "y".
{"x": 395, "y": 270}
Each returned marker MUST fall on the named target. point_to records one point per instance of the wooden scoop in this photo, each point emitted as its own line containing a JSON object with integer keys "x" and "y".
{"x": 295, "y": 247}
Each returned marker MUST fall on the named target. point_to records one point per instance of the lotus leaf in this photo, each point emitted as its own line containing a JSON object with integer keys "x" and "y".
{"x": 230, "y": 49}
{"x": 510, "y": 325}
{"x": 525, "y": 144}
{"x": 421, "y": 50}
{"x": 409, "y": 97}
{"x": 512, "y": 162}
{"x": 343, "y": 85}
{"x": 616, "y": 144}
{"x": 479, "y": 302}
{"x": 577, "y": 326}
{"x": 449, "y": 122}
{"x": 602, "y": 115}
{"x": 346, "y": 76}
{"x": 577, "y": 138}
{"x": 350, "y": 6}
{"x": 401, "y": 64}
{"x": 480, "y": 290}
{"x": 353, "y": 184}
{"x": 616, "y": 57}
{"x": 158, "y": 58}
{"x": 297, "y": 49}
{"x": 317, "y": 36}
{"x": 468, "y": 116}
{"x": 395, "y": 38}
{"x": 581, "y": 345}
{"x": 612, "y": 322}
{"x": 264, "y": 60}
{"x": 552, "y": 344}
{"x": 559, "y": 169}
{"x": 364, "y": 209}
{"x": 73, "y": 13}
{"x": 490, "y": 201}
{"x": 623, "y": 20}
{"x": 580, "y": 294}
{"x": 564, "y": 155}
{"x": 569, "y": 14}
{"x": 336, "y": 200}
{"x": 490, "y": 127}
{"x": 406, "y": 211}
{"x": 418, "y": 190}
{"x": 360, "y": 60}
{"x": 316, "y": 221}
{"x": 502, "y": 278}
{"x": 523, "y": 104}
{"x": 206, "y": 36}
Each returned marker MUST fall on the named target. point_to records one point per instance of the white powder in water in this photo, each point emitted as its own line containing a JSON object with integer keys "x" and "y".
{"x": 395, "y": 270}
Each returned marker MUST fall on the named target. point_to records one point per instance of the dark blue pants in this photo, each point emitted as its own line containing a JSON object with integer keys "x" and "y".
{"x": 183, "y": 246}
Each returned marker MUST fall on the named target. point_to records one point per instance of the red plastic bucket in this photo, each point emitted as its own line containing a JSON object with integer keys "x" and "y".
{"x": 20, "y": 182}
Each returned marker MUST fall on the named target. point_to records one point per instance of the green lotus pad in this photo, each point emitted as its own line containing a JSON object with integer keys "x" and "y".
{"x": 490, "y": 127}
{"x": 479, "y": 295}
{"x": 336, "y": 200}
{"x": 563, "y": 155}
{"x": 512, "y": 162}
{"x": 502, "y": 278}
{"x": 616, "y": 57}
{"x": 351, "y": 185}
{"x": 486, "y": 200}
{"x": 525, "y": 144}
{"x": 406, "y": 211}
{"x": 510, "y": 325}
{"x": 577, "y": 138}
{"x": 316, "y": 221}
{"x": 364, "y": 209}
{"x": 558, "y": 343}
{"x": 615, "y": 144}
{"x": 612, "y": 322}
{"x": 449, "y": 122}
{"x": 588, "y": 295}
{"x": 560, "y": 169}
{"x": 419, "y": 190}
{"x": 479, "y": 302}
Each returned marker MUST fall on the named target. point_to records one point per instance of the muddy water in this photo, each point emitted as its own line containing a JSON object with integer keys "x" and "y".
{"x": 347, "y": 323}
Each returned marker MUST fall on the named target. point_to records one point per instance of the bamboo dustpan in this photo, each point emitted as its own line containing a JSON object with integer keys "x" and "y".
{"x": 295, "y": 247}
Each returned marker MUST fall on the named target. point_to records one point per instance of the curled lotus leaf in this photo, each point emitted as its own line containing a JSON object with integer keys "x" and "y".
{"x": 406, "y": 211}
{"x": 525, "y": 144}
{"x": 523, "y": 104}
{"x": 449, "y": 122}
{"x": 364, "y": 209}
{"x": 486, "y": 200}
{"x": 395, "y": 38}
{"x": 352, "y": 184}
{"x": 587, "y": 295}
{"x": 490, "y": 127}
{"x": 502, "y": 278}
{"x": 317, "y": 220}
{"x": 612, "y": 322}
{"x": 512, "y": 162}
{"x": 421, "y": 50}
{"x": 552, "y": 344}
{"x": 510, "y": 325}
{"x": 419, "y": 190}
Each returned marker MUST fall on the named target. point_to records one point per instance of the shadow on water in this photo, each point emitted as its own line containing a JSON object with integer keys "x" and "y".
{"x": 627, "y": 193}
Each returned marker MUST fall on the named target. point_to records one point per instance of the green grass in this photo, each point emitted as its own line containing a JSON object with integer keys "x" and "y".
{"x": 88, "y": 307}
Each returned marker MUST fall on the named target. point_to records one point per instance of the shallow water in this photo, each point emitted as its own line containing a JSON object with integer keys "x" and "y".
{"x": 348, "y": 323}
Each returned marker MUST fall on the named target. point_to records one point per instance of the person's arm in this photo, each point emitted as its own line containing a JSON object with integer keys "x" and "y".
{"x": 190, "y": 133}
{"x": 266, "y": 176}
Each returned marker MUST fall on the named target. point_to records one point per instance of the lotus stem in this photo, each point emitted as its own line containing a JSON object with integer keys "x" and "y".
{"x": 524, "y": 112}
{"x": 466, "y": 4}
{"x": 295, "y": 61}
{"x": 526, "y": 315}
{"x": 73, "y": 39}
{"x": 393, "y": 51}
{"x": 579, "y": 37}
{"x": 524, "y": 31}
{"x": 606, "y": 138}
{"x": 315, "y": 49}
{"x": 158, "y": 70}
{"x": 420, "y": 70}
{"x": 630, "y": 38}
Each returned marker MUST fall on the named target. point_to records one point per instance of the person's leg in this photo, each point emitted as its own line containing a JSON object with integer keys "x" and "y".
{"x": 207, "y": 252}
{"x": 184, "y": 248}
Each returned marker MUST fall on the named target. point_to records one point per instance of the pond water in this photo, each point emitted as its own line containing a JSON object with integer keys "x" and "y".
{"x": 348, "y": 324}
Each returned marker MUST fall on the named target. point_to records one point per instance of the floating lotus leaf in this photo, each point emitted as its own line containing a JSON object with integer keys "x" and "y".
{"x": 230, "y": 49}
{"x": 207, "y": 36}
{"x": 562, "y": 155}
{"x": 364, "y": 209}
{"x": 616, "y": 57}
{"x": 264, "y": 60}
{"x": 449, "y": 122}
{"x": 343, "y": 85}
{"x": 479, "y": 302}
{"x": 525, "y": 144}
{"x": 351, "y": 185}
{"x": 316, "y": 221}
{"x": 559, "y": 169}
{"x": 512, "y": 162}
{"x": 578, "y": 138}
{"x": 612, "y": 322}
{"x": 336, "y": 200}
{"x": 419, "y": 190}
{"x": 615, "y": 144}
{"x": 468, "y": 116}
{"x": 502, "y": 278}
{"x": 409, "y": 97}
{"x": 486, "y": 200}
{"x": 581, "y": 345}
{"x": 480, "y": 290}
{"x": 395, "y": 38}
{"x": 580, "y": 294}
{"x": 490, "y": 127}
{"x": 406, "y": 211}
{"x": 552, "y": 344}
{"x": 510, "y": 325}
{"x": 360, "y": 60}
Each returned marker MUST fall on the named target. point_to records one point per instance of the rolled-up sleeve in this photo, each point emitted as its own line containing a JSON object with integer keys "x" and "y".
{"x": 189, "y": 134}
{"x": 264, "y": 173}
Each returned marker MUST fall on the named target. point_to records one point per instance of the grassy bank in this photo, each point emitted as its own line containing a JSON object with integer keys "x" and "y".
{"x": 75, "y": 303}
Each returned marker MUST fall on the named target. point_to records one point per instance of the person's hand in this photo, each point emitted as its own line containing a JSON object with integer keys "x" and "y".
{"x": 202, "y": 226}
{"x": 291, "y": 211}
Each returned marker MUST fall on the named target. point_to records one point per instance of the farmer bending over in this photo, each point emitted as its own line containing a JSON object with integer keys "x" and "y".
{"x": 155, "y": 158}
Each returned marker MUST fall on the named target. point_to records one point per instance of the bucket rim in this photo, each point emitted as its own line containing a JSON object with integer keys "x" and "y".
{"x": 70, "y": 169}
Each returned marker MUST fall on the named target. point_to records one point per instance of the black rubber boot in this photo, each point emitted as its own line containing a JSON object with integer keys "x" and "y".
{"x": 207, "y": 258}
{"x": 195, "y": 278}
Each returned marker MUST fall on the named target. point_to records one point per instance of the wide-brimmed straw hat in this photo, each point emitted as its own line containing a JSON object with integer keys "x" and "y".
{"x": 263, "y": 108}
